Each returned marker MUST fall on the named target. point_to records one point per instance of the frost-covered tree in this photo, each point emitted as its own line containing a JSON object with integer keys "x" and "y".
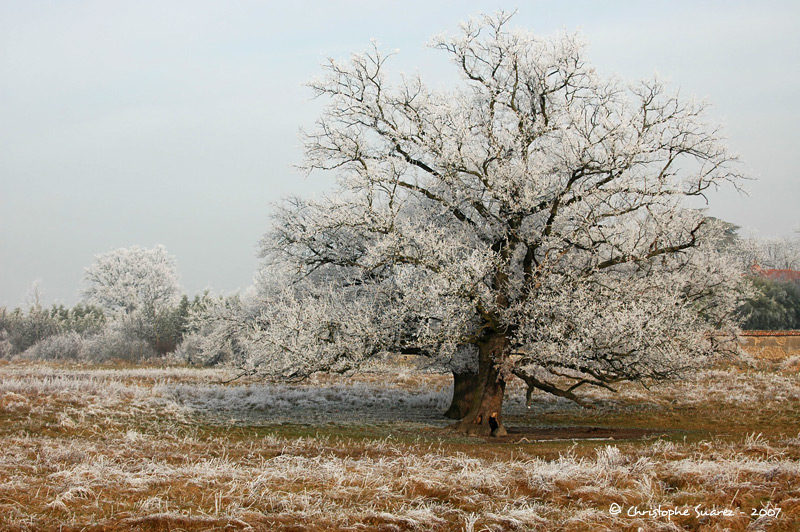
{"x": 129, "y": 279}
{"x": 782, "y": 253}
{"x": 530, "y": 221}
{"x": 219, "y": 328}
{"x": 20, "y": 330}
{"x": 137, "y": 286}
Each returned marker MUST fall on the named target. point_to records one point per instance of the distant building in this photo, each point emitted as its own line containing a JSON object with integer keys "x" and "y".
{"x": 783, "y": 276}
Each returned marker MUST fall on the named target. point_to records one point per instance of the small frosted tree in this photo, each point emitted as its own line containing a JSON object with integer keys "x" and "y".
{"x": 782, "y": 253}
{"x": 136, "y": 286}
{"x": 529, "y": 222}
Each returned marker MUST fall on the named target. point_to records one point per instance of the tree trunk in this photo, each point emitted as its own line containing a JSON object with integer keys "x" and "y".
{"x": 484, "y": 417}
{"x": 464, "y": 385}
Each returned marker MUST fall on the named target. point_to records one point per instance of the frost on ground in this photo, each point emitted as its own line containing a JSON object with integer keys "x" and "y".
{"x": 317, "y": 402}
{"x": 150, "y": 449}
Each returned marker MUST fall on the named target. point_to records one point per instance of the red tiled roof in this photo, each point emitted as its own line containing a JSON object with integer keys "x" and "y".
{"x": 777, "y": 275}
{"x": 781, "y": 275}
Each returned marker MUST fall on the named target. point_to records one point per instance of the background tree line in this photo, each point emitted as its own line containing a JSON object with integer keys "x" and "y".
{"x": 773, "y": 266}
{"x": 131, "y": 309}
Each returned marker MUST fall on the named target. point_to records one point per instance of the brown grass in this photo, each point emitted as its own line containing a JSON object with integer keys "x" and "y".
{"x": 106, "y": 450}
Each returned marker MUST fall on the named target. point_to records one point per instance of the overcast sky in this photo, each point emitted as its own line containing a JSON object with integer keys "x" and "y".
{"x": 176, "y": 122}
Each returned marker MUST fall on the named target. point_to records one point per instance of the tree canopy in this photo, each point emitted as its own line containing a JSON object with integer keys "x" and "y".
{"x": 132, "y": 279}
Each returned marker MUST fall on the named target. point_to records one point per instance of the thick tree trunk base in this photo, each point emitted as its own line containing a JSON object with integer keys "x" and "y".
{"x": 481, "y": 425}
{"x": 484, "y": 417}
{"x": 464, "y": 385}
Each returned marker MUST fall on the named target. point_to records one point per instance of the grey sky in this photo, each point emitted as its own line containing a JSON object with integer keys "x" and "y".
{"x": 175, "y": 122}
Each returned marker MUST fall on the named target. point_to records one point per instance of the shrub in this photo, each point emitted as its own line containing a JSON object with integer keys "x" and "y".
{"x": 117, "y": 342}
{"x": 24, "y": 330}
{"x": 201, "y": 350}
{"x": 6, "y": 348}
{"x": 64, "y": 346}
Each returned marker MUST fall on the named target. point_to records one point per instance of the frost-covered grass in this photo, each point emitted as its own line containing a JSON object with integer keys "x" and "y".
{"x": 317, "y": 402}
{"x": 174, "y": 449}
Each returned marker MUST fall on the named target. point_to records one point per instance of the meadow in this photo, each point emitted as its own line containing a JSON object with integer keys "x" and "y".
{"x": 106, "y": 448}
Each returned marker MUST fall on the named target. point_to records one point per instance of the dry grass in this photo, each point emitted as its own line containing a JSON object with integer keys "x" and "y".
{"x": 168, "y": 449}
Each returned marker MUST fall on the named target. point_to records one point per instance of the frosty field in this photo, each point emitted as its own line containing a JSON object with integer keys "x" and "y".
{"x": 138, "y": 448}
